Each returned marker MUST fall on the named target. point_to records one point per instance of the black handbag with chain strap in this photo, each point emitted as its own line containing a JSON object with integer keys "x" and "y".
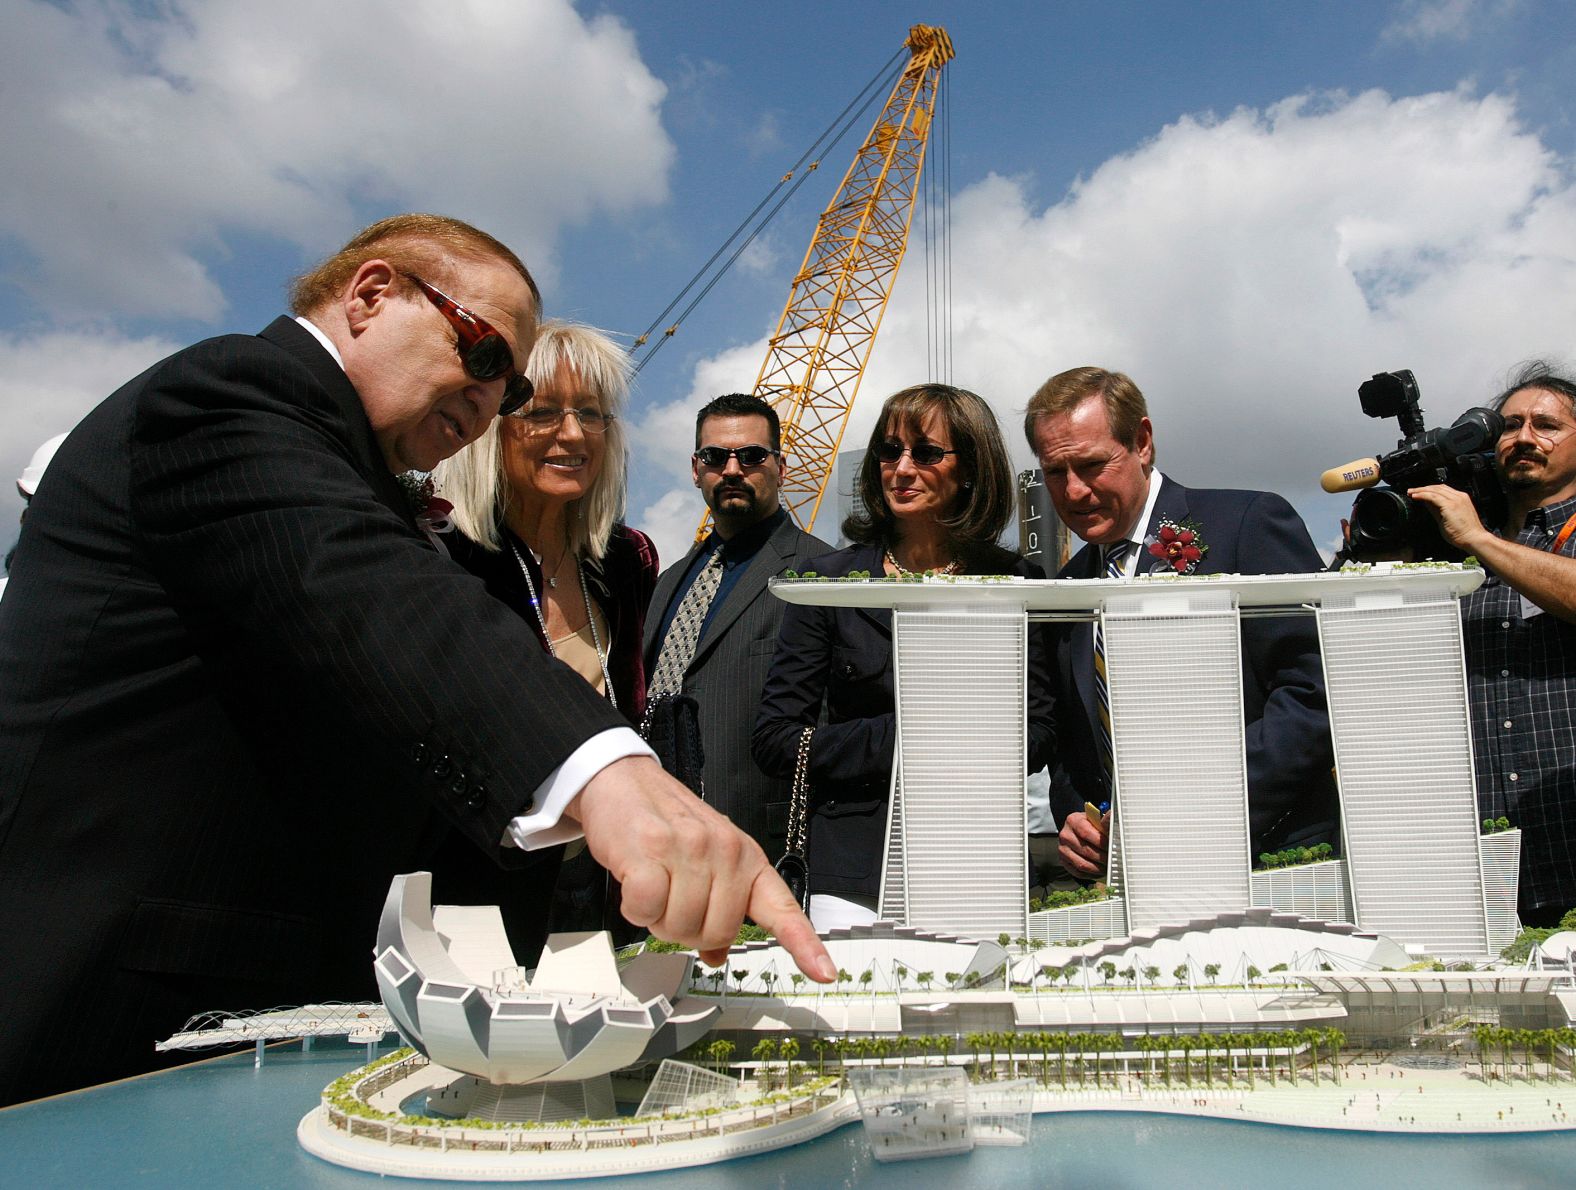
{"x": 672, "y": 728}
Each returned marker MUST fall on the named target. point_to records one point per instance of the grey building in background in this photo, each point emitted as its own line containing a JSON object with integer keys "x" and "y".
{"x": 845, "y": 496}
{"x": 1042, "y": 537}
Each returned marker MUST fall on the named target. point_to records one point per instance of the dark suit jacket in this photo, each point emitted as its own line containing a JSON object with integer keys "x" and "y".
{"x": 241, "y": 692}
{"x": 726, "y": 676}
{"x": 1291, "y": 794}
{"x": 842, "y": 657}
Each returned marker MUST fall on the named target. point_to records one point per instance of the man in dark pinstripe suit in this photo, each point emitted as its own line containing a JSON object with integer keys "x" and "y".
{"x": 242, "y": 690}
{"x": 757, "y": 540}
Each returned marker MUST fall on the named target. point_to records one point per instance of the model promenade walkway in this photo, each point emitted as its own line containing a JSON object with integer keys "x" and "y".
{"x": 1372, "y": 1096}
{"x": 1414, "y": 1094}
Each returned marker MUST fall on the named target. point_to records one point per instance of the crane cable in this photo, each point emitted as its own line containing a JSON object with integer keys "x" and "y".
{"x": 938, "y": 245}
{"x": 855, "y": 109}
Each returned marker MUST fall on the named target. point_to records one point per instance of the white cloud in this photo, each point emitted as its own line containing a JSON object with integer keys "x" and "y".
{"x": 48, "y": 383}
{"x": 1424, "y": 21}
{"x": 766, "y": 137}
{"x": 762, "y": 256}
{"x": 1248, "y": 272}
{"x": 139, "y": 138}
{"x": 671, "y": 522}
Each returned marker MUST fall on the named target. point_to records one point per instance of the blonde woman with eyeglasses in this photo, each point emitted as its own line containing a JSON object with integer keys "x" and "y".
{"x": 535, "y": 505}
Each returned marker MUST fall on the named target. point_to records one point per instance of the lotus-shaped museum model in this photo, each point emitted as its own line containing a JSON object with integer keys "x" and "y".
{"x": 450, "y": 982}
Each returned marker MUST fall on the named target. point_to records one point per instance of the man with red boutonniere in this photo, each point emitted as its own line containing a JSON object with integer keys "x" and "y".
{"x": 1091, "y": 431}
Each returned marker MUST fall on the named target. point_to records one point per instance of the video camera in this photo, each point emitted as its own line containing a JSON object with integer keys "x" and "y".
{"x": 1387, "y": 523}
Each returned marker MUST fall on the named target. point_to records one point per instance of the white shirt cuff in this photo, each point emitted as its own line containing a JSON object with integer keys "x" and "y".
{"x": 546, "y": 825}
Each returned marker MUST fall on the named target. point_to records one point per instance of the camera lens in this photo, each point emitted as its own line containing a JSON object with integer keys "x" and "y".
{"x": 1379, "y": 519}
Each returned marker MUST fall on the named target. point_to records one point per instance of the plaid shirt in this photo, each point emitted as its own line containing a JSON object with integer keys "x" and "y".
{"x": 1522, "y": 686}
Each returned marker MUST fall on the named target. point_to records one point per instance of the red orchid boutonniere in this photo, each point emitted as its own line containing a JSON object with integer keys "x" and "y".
{"x": 436, "y": 516}
{"x": 430, "y": 510}
{"x": 1179, "y": 546}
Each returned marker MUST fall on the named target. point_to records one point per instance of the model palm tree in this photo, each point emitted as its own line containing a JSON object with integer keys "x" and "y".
{"x": 1335, "y": 1042}
{"x": 765, "y": 1050}
{"x": 789, "y": 1049}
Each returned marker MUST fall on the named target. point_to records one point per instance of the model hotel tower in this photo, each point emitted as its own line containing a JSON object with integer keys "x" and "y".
{"x": 1414, "y": 866}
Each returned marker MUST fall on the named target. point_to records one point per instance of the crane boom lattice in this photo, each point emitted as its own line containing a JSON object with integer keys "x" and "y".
{"x": 823, "y": 340}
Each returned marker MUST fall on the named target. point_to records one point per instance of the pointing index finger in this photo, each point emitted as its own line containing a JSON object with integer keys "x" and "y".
{"x": 773, "y": 908}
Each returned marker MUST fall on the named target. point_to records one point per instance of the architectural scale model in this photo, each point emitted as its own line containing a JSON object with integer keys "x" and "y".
{"x": 961, "y": 1010}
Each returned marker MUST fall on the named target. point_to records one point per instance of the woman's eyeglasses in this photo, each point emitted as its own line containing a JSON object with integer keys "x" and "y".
{"x": 545, "y": 419}
{"x": 718, "y": 456}
{"x": 926, "y": 454}
{"x": 484, "y": 353}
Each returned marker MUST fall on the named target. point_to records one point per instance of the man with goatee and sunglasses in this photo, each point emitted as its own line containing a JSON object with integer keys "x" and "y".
{"x": 243, "y": 689}
{"x": 1520, "y": 629}
{"x": 712, "y": 624}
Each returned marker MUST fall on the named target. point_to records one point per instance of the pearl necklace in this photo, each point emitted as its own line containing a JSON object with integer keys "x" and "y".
{"x": 596, "y": 637}
{"x": 949, "y": 568}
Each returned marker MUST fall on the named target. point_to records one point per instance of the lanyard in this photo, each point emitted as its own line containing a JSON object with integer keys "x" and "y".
{"x": 1564, "y": 534}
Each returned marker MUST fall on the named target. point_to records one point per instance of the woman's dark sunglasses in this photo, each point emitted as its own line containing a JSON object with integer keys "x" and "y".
{"x": 926, "y": 454}
{"x": 484, "y": 354}
{"x": 748, "y": 456}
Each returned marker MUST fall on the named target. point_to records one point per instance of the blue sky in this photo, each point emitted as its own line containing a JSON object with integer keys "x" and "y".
{"x": 1250, "y": 207}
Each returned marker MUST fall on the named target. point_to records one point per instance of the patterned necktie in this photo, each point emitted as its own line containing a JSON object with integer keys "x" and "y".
{"x": 1115, "y": 557}
{"x": 678, "y": 647}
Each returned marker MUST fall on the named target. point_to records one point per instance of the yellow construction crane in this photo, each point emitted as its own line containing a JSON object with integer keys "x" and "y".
{"x": 823, "y": 340}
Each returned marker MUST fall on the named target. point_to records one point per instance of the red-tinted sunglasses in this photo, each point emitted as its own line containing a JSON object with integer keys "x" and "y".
{"x": 484, "y": 353}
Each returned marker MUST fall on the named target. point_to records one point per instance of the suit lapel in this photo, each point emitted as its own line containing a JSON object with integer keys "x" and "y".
{"x": 871, "y": 558}
{"x": 291, "y": 337}
{"x": 1170, "y": 505}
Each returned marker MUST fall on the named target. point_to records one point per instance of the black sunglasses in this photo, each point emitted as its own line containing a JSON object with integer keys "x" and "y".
{"x": 748, "y": 456}
{"x": 484, "y": 353}
{"x": 926, "y": 454}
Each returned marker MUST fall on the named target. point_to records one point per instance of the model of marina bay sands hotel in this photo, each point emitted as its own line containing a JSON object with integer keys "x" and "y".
{"x": 1414, "y": 866}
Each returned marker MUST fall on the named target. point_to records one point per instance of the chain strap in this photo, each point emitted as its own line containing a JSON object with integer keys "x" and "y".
{"x": 799, "y": 801}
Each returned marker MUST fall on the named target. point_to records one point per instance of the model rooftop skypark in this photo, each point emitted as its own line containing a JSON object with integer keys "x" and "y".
{"x": 1414, "y": 866}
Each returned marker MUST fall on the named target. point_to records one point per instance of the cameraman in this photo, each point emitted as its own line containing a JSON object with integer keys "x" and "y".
{"x": 1520, "y": 630}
